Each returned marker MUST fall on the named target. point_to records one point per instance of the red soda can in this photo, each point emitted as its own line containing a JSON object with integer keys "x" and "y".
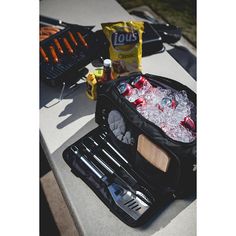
{"x": 173, "y": 104}
{"x": 139, "y": 81}
{"x": 188, "y": 123}
{"x": 124, "y": 89}
{"x": 139, "y": 102}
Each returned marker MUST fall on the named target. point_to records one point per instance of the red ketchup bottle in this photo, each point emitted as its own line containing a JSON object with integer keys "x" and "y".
{"x": 107, "y": 72}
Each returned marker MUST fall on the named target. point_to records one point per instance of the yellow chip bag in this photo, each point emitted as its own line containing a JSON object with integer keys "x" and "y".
{"x": 125, "y": 49}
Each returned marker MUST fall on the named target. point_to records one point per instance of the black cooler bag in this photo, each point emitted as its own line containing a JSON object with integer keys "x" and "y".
{"x": 157, "y": 185}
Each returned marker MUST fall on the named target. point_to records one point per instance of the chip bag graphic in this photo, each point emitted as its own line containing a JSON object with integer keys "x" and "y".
{"x": 125, "y": 49}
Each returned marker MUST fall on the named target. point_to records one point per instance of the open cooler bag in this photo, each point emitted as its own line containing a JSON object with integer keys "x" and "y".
{"x": 133, "y": 178}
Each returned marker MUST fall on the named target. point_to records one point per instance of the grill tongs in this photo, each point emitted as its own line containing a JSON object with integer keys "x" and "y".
{"x": 123, "y": 198}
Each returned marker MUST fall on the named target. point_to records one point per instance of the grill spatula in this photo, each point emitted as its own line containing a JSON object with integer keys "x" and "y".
{"x": 123, "y": 198}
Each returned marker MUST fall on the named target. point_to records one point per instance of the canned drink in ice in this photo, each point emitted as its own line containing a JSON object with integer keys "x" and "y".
{"x": 167, "y": 102}
{"x": 139, "y": 102}
{"x": 188, "y": 123}
{"x": 138, "y": 82}
{"x": 124, "y": 89}
{"x": 142, "y": 84}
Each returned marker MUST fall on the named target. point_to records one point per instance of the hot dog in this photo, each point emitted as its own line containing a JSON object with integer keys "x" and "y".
{"x": 58, "y": 46}
{"x": 73, "y": 38}
{"x": 54, "y": 55}
{"x": 82, "y": 39}
{"x": 69, "y": 48}
{"x": 44, "y": 55}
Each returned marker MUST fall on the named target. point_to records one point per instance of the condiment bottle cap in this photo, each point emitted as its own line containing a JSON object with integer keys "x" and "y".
{"x": 107, "y": 63}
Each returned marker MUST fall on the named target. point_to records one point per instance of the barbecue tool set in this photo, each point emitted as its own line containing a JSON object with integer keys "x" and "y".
{"x": 113, "y": 173}
{"x": 134, "y": 203}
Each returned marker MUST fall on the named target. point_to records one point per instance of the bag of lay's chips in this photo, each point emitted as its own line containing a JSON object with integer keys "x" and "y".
{"x": 125, "y": 49}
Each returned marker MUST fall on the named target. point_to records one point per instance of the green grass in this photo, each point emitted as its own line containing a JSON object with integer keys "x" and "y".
{"x": 181, "y": 13}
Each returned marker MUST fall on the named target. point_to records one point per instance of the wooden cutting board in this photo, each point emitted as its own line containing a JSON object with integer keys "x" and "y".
{"x": 153, "y": 153}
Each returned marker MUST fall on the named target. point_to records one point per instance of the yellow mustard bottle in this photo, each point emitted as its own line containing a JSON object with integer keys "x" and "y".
{"x": 91, "y": 86}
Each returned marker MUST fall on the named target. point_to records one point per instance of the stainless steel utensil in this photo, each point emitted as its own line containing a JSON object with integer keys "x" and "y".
{"x": 99, "y": 160}
{"x": 103, "y": 138}
{"x": 111, "y": 171}
{"x": 123, "y": 198}
{"x": 114, "y": 161}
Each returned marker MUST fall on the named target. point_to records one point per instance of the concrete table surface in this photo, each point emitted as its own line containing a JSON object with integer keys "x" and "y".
{"x": 62, "y": 123}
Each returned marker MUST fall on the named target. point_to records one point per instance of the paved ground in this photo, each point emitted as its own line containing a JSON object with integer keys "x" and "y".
{"x": 55, "y": 218}
{"x": 58, "y": 206}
